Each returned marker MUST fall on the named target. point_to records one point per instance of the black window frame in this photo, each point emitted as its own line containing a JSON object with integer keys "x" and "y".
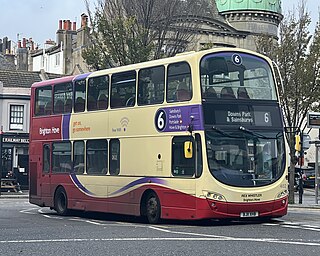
{"x": 62, "y": 153}
{"x": 142, "y": 86}
{"x": 177, "y": 168}
{"x": 62, "y": 98}
{"x": 123, "y": 89}
{"x": 78, "y": 166}
{"x": 46, "y": 159}
{"x": 45, "y": 108}
{"x": 79, "y": 96}
{"x": 96, "y": 89}
{"x": 92, "y": 169}
{"x": 114, "y": 157}
{"x": 178, "y": 81}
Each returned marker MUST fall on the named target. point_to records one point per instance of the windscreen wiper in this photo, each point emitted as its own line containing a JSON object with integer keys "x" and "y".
{"x": 224, "y": 133}
{"x": 260, "y": 136}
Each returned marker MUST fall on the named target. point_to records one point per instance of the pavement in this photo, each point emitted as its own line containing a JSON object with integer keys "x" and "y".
{"x": 308, "y": 198}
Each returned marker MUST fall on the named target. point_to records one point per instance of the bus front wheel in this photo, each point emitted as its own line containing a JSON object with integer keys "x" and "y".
{"x": 153, "y": 208}
{"x": 61, "y": 201}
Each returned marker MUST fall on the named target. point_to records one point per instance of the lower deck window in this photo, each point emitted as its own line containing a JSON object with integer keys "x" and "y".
{"x": 97, "y": 157}
{"x": 61, "y": 157}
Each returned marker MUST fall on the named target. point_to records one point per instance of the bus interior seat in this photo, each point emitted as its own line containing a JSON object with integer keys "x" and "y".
{"x": 104, "y": 171}
{"x": 58, "y": 106}
{"x": 242, "y": 93}
{"x": 227, "y": 93}
{"x": 68, "y": 106}
{"x": 48, "y": 108}
{"x": 102, "y": 101}
{"x": 39, "y": 110}
{"x": 183, "y": 92}
{"x": 210, "y": 93}
{"x": 79, "y": 105}
{"x": 116, "y": 100}
{"x": 92, "y": 104}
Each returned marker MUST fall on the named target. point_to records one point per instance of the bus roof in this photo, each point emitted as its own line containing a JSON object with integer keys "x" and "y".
{"x": 177, "y": 58}
{"x": 81, "y": 76}
{"x": 64, "y": 79}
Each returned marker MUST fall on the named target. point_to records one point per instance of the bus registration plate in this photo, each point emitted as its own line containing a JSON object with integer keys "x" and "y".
{"x": 249, "y": 214}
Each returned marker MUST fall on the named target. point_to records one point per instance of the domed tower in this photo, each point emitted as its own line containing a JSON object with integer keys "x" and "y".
{"x": 255, "y": 16}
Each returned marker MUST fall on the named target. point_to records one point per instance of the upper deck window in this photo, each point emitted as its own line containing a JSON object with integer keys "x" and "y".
{"x": 62, "y": 98}
{"x": 79, "y": 95}
{"x": 151, "y": 86}
{"x": 98, "y": 93}
{"x": 123, "y": 89}
{"x": 232, "y": 75}
{"x": 179, "y": 84}
{"x": 43, "y": 101}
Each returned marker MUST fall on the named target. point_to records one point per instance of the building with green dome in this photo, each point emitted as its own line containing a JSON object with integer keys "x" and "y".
{"x": 273, "y": 6}
{"x": 237, "y": 23}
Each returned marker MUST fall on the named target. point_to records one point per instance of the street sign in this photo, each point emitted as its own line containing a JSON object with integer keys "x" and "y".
{"x": 314, "y": 120}
{"x": 306, "y": 141}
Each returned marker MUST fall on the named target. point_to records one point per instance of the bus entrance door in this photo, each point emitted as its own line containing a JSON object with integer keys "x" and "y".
{"x": 45, "y": 183}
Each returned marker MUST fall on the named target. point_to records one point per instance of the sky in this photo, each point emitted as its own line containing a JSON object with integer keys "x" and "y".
{"x": 313, "y": 7}
{"x": 39, "y": 19}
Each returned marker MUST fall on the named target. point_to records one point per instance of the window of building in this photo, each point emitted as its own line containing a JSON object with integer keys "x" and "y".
{"x": 43, "y": 101}
{"x": 97, "y": 157}
{"x": 57, "y": 58}
{"x": 62, "y": 98}
{"x": 78, "y": 157}
{"x": 123, "y": 89}
{"x": 46, "y": 158}
{"x": 114, "y": 157}
{"x": 16, "y": 117}
{"x": 179, "y": 84}
{"x": 183, "y": 165}
{"x": 98, "y": 91}
{"x": 151, "y": 86}
{"x": 61, "y": 157}
{"x": 79, "y": 95}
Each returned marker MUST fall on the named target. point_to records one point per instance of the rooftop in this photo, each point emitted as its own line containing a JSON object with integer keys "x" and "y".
{"x": 16, "y": 78}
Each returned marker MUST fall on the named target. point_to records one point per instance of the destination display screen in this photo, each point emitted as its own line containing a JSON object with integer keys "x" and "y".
{"x": 314, "y": 120}
{"x": 242, "y": 115}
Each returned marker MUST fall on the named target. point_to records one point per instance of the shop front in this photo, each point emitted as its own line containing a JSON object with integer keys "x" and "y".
{"x": 15, "y": 156}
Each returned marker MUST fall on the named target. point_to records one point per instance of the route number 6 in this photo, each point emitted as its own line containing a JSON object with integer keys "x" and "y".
{"x": 266, "y": 118}
{"x": 236, "y": 59}
{"x": 161, "y": 120}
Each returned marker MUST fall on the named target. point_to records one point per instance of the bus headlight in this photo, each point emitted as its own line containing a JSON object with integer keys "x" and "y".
{"x": 214, "y": 196}
{"x": 282, "y": 194}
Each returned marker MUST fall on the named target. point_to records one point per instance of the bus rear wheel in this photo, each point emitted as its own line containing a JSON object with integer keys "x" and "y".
{"x": 61, "y": 201}
{"x": 153, "y": 208}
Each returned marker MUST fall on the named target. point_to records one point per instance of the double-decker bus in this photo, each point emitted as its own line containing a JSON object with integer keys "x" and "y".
{"x": 195, "y": 136}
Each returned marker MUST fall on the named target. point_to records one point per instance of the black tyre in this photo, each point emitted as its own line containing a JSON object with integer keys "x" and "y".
{"x": 153, "y": 208}
{"x": 61, "y": 202}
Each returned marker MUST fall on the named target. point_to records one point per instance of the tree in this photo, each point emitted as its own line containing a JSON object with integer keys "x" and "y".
{"x": 297, "y": 53}
{"x": 131, "y": 31}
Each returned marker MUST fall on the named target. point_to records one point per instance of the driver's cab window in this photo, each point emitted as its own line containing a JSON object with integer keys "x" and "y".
{"x": 183, "y": 156}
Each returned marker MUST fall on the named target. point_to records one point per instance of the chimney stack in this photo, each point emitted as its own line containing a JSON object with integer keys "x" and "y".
{"x": 24, "y": 43}
{"x": 84, "y": 20}
{"x": 64, "y": 25}
{"x": 60, "y": 24}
